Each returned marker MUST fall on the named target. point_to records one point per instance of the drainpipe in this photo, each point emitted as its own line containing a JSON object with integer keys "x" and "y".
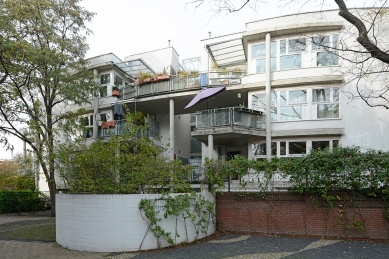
{"x": 268, "y": 96}
{"x": 171, "y": 117}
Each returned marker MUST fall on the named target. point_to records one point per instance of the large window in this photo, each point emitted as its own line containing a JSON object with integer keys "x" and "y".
{"x": 292, "y": 148}
{"x": 104, "y": 79}
{"x": 295, "y": 104}
{"x": 258, "y": 55}
{"x": 118, "y": 81}
{"x": 325, "y": 103}
{"x": 259, "y": 103}
{"x": 88, "y": 123}
{"x": 294, "y": 53}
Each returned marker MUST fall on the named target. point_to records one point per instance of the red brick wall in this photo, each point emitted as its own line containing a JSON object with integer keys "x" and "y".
{"x": 292, "y": 213}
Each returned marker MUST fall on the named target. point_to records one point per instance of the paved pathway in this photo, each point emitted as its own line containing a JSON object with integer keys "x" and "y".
{"x": 230, "y": 246}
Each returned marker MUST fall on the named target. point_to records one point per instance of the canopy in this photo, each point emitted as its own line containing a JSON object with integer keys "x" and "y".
{"x": 204, "y": 94}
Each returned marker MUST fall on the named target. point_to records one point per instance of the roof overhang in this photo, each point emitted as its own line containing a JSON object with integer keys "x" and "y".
{"x": 132, "y": 67}
{"x": 226, "y": 53}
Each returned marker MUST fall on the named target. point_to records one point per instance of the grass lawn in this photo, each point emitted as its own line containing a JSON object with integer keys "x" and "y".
{"x": 29, "y": 230}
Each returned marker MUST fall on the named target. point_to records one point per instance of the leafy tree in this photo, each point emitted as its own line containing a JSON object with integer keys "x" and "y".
{"x": 125, "y": 163}
{"x": 11, "y": 174}
{"x": 366, "y": 56}
{"x": 42, "y": 66}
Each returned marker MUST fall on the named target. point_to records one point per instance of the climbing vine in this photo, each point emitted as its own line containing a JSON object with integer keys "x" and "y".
{"x": 190, "y": 207}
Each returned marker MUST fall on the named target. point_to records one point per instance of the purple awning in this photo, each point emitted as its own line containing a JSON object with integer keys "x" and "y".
{"x": 204, "y": 94}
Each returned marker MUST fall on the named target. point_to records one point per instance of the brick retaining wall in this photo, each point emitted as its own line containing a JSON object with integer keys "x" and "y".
{"x": 292, "y": 213}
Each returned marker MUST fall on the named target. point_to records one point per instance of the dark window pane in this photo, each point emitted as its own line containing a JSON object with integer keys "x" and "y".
{"x": 297, "y": 45}
{"x": 297, "y": 148}
{"x": 290, "y": 62}
{"x": 260, "y": 149}
{"x": 321, "y": 95}
{"x": 118, "y": 81}
{"x": 103, "y": 91}
{"x": 335, "y": 143}
{"x": 91, "y": 120}
{"x": 326, "y": 59}
{"x": 320, "y": 144}
{"x": 327, "y": 111}
{"x": 104, "y": 79}
{"x": 282, "y": 47}
{"x": 320, "y": 42}
{"x": 282, "y": 148}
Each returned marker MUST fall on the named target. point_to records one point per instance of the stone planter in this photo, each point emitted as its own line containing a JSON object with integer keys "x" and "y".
{"x": 113, "y": 223}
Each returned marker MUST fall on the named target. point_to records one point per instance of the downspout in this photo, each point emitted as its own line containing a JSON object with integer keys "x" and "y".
{"x": 268, "y": 96}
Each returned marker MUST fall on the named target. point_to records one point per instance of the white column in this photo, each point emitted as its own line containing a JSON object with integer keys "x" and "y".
{"x": 210, "y": 146}
{"x": 268, "y": 96}
{"x": 171, "y": 111}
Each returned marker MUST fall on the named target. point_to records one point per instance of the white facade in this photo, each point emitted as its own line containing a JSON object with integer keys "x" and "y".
{"x": 309, "y": 107}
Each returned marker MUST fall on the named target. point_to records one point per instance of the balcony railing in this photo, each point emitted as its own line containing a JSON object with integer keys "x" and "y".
{"x": 121, "y": 126}
{"x": 231, "y": 116}
{"x": 183, "y": 83}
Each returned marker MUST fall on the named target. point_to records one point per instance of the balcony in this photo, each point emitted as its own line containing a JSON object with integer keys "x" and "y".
{"x": 231, "y": 116}
{"x": 120, "y": 127}
{"x": 183, "y": 83}
{"x": 229, "y": 126}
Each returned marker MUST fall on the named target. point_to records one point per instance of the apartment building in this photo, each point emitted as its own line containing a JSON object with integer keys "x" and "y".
{"x": 284, "y": 94}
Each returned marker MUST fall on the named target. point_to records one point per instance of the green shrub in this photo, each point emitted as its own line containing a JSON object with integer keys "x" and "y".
{"x": 21, "y": 201}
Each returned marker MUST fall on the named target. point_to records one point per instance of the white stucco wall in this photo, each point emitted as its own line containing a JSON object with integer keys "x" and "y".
{"x": 113, "y": 223}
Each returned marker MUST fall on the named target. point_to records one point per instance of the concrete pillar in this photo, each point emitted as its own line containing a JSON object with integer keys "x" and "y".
{"x": 210, "y": 146}
{"x": 171, "y": 114}
{"x": 268, "y": 96}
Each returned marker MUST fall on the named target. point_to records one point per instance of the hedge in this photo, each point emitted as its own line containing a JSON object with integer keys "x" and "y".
{"x": 21, "y": 201}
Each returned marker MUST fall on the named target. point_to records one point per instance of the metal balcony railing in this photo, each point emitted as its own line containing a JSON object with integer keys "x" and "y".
{"x": 121, "y": 126}
{"x": 197, "y": 174}
{"x": 231, "y": 116}
{"x": 183, "y": 83}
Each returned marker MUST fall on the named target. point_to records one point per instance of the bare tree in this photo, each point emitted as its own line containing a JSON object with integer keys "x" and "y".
{"x": 368, "y": 58}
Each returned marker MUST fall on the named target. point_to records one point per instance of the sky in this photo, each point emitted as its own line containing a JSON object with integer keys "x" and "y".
{"x": 126, "y": 27}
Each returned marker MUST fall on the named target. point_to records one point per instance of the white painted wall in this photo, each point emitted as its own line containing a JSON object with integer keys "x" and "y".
{"x": 112, "y": 223}
{"x": 158, "y": 59}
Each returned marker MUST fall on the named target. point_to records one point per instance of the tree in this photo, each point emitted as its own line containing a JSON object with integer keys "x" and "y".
{"x": 42, "y": 66}
{"x": 368, "y": 59}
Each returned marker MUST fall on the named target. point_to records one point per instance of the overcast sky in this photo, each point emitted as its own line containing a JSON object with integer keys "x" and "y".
{"x": 126, "y": 27}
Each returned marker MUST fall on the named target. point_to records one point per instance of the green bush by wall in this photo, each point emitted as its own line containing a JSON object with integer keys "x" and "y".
{"x": 21, "y": 201}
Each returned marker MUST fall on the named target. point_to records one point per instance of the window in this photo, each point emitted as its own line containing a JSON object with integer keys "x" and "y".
{"x": 103, "y": 91}
{"x": 291, "y": 148}
{"x": 295, "y": 53}
{"x": 104, "y": 79}
{"x": 118, "y": 81}
{"x": 325, "y": 103}
{"x": 260, "y": 149}
{"x": 299, "y": 104}
{"x": 258, "y": 54}
{"x": 325, "y": 56}
{"x": 291, "y": 104}
{"x": 88, "y": 123}
{"x": 259, "y": 103}
{"x": 291, "y": 59}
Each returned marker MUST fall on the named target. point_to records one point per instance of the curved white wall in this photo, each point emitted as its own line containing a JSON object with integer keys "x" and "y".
{"x": 113, "y": 223}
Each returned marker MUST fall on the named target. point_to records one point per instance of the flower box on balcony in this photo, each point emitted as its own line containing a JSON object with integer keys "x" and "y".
{"x": 164, "y": 77}
{"x": 115, "y": 91}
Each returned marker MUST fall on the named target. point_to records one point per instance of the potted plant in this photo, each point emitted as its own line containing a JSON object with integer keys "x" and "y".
{"x": 163, "y": 75}
{"x": 139, "y": 78}
{"x": 115, "y": 91}
{"x": 146, "y": 77}
{"x": 237, "y": 71}
{"x": 182, "y": 73}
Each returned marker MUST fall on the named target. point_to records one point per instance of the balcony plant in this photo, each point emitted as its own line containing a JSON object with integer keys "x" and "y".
{"x": 147, "y": 77}
{"x": 237, "y": 71}
{"x": 115, "y": 91}
{"x": 163, "y": 75}
{"x": 139, "y": 78}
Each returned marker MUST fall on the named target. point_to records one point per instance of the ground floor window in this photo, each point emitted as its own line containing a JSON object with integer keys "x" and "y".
{"x": 291, "y": 148}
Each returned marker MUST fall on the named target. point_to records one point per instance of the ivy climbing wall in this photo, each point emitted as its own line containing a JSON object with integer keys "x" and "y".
{"x": 292, "y": 213}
